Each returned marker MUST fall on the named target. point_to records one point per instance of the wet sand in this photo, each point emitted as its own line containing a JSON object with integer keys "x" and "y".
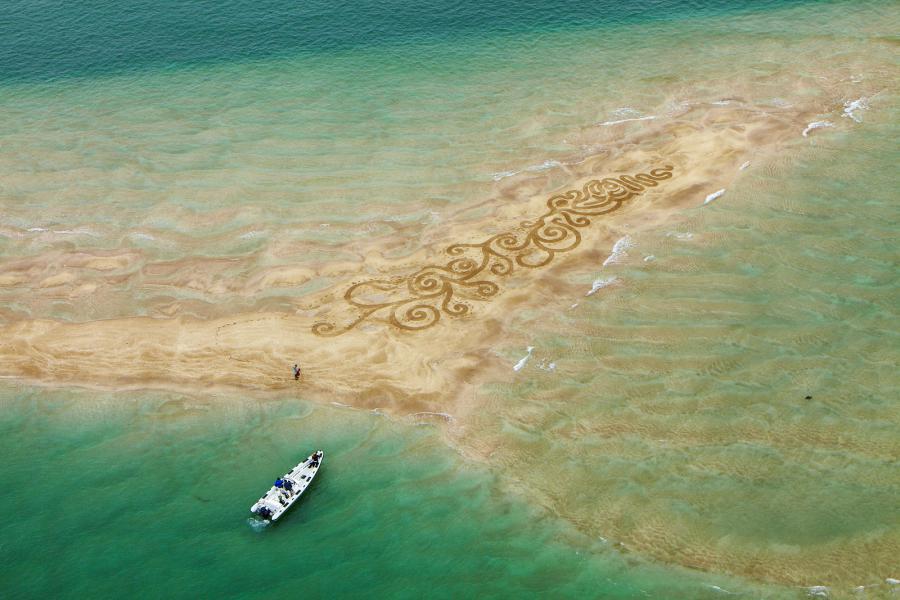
{"x": 378, "y": 363}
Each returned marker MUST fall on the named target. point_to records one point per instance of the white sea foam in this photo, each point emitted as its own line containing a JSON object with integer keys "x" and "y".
{"x": 649, "y": 258}
{"x": 141, "y": 236}
{"x": 851, "y": 108}
{"x": 251, "y": 234}
{"x": 574, "y": 305}
{"x": 816, "y": 125}
{"x": 680, "y": 236}
{"x": 601, "y": 283}
{"x": 550, "y": 163}
{"x": 721, "y": 103}
{"x": 546, "y": 365}
{"x": 721, "y": 589}
{"x": 619, "y": 121}
{"x": 626, "y": 111}
{"x": 619, "y": 250}
{"x": 257, "y": 525}
{"x": 745, "y": 165}
{"x": 446, "y": 416}
{"x": 62, "y": 231}
{"x": 892, "y": 581}
{"x": 676, "y": 108}
{"x": 547, "y": 164}
{"x": 818, "y": 591}
{"x": 713, "y": 196}
{"x": 522, "y": 361}
{"x": 501, "y": 174}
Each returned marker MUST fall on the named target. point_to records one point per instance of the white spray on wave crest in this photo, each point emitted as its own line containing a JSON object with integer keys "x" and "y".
{"x": 547, "y": 164}
{"x": 618, "y": 121}
{"x": 62, "y": 231}
{"x": 619, "y": 250}
{"x": 443, "y": 415}
{"x": 816, "y": 125}
{"x": 721, "y": 589}
{"x": 601, "y": 283}
{"x": 713, "y": 196}
{"x": 547, "y": 365}
{"x": 522, "y": 361}
{"x": 625, "y": 115}
{"x": 852, "y": 107}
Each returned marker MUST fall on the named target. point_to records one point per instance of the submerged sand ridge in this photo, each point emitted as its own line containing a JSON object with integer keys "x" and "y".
{"x": 445, "y": 367}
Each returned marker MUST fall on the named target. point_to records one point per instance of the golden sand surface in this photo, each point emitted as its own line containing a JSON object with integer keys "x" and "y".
{"x": 383, "y": 350}
{"x": 378, "y": 363}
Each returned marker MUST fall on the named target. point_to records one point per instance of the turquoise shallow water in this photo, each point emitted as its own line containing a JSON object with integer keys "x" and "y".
{"x": 742, "y": 370}
{"x": 148, "y": 495}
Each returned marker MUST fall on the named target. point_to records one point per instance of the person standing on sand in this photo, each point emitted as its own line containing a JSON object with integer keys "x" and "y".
{"x": 297, "y": 372}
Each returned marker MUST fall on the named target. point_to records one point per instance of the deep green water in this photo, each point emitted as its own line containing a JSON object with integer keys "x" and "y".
{"x": 50, "y": 39}
{"x": 147, "y": 495}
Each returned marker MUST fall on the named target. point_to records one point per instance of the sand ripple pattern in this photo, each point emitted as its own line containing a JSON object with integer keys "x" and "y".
{"x": 472, "y": 271}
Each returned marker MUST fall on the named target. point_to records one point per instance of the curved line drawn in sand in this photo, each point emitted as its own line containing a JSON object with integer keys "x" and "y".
{"x": 471, "y": 272}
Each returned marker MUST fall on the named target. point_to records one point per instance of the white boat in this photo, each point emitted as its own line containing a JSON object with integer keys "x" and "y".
{"x": 288, "y": 488}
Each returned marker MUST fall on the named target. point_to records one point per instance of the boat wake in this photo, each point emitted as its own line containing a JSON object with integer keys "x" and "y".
{"x": 257, "y": 525}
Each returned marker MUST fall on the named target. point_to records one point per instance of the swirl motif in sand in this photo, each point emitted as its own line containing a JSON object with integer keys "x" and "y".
{"x": 418, "y": 301}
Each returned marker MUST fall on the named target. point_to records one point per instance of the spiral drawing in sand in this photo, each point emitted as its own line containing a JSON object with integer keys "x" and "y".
{"x": 471, "y": 274}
